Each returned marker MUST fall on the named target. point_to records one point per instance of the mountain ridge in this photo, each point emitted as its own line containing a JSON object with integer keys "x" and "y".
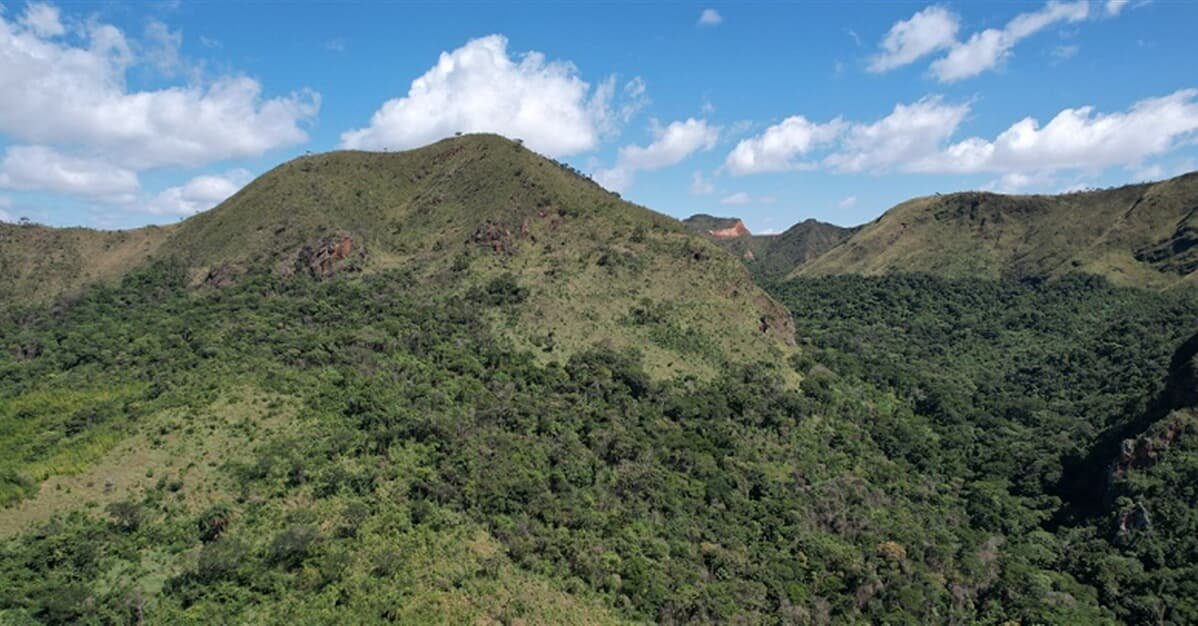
{"x": 466, "y": 214}
{"x": 1143, "y": 235}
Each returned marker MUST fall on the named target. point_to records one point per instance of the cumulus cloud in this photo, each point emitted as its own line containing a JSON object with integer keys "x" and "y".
{"x": 776, "y": 148}
{"x": 38, "y": 168}
{"x": 710, "y": 17}
{"x": 917, "y": 137}
{"x": 672, "y": 144}
{"x": 1114, "y": 7}
{"x": 908, "y": 133}
{"x": 739, "y": 198}
{"x": 198, "y": 194}
{"x": 61, "y": 92}
{"x": 985, "y": 50}
{"x": 1076, "y": 138}
{"x": 934, "y": 28}
{"x": 700, "y": 186}
{"x": 479, "y": 87}
{"x": 43, "y": 20}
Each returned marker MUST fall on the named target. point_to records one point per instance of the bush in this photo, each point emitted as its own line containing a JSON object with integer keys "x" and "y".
{"x": 291, "y": 546}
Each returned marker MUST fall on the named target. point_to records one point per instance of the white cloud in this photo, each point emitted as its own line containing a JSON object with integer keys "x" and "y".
{"x": 479, "y": 88}
{"x": 710, "y": 17}
{"x": 847, "y": 202}
{"x": 336, "y": 44}
{"x": 932, "y": 29}
{"x": 739, "y": 198}
{"x": 198, "y": 194}
{"x": 985, "y": 50}
{"x": 59, "y": 93}
{"x": 162, "y": 47}
{"x": 635, "y": 98}
{"x": 1077, "y": 138}
{"x": 43, "y": 20}
{"x": 776, "y": 148}
{"x": 1151, "y": 172}
{"x": 910, "y": 132}
{"x": 38, "y": 168}
{"x": 671, "y": 145}
{"x": 700, "y": 186}
{"x": 917, "y": 137}
{"x": 1020, "y": 182}
{"x": 1114, "y": 7}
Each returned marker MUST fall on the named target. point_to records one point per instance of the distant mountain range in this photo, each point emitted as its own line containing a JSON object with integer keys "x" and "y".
{"x": 1136, "y": 235}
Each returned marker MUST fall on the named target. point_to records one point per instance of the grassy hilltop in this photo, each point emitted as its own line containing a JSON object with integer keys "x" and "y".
{"x": 1142, "y": 235}
{"x": 474, "y": 212}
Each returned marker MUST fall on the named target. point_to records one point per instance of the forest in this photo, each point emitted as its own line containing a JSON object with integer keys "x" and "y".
{"x": 353, "y": 450}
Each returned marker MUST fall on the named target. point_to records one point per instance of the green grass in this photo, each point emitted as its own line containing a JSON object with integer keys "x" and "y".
{"x": 1111, "y": 233}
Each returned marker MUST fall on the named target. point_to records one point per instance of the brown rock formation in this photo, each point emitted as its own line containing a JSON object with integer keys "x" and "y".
{"x": 320, "y": 257}
{"x": 732, "y": 232}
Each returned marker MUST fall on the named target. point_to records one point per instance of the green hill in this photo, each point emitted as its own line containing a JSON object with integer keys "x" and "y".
{"x": 1141, "y": 235}
{"x": 477, "y": 212}
{"x": 770, "y": 256}
{"x": 40, "y": 264}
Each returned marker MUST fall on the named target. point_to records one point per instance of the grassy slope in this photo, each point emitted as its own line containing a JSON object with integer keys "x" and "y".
{"x": 990, "y": 235}
{"x": 39, "y": 264}
{"x": 587, "y": 258}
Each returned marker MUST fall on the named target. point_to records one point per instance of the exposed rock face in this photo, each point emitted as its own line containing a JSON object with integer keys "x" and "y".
{"x": 321, "y": 257}
{"x": 223, "y": 275}
{"x": 1145, "y": 451}
{"x": 732, "y": 232}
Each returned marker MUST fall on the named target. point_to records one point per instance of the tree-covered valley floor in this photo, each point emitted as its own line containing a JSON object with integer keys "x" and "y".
{"x": 355, "y": 450}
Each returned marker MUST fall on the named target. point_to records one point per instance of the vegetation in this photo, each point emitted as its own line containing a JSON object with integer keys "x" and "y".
{"x": 1024, "y": 394}
{"x": 422, "y": 469}
{"x": 464, "y": 384}
{"x": 1137, "y": 235}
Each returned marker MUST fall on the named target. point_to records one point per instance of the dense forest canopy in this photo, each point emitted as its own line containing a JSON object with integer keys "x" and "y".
{"x": 350, "y": 450}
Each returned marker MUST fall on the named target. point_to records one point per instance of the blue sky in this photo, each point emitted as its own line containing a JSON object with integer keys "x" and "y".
{"x": 117, "y": 115}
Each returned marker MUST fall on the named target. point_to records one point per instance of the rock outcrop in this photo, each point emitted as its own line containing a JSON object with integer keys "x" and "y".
{"x": 732, "y": 232}
{"x": 320, "y": 257}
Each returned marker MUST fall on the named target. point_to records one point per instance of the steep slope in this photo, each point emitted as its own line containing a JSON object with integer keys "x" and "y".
{"x": 1142, "y": 235}
{"x": 770, "y": 255}
{"x": 39, "y": 264}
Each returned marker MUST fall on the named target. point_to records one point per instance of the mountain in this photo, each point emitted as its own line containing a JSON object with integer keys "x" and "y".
{"x": 1142, "y": 235}
{"x": 393, "y": 388}
{"x": 477, "y": 212}
{"x": 770, "y": 255}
